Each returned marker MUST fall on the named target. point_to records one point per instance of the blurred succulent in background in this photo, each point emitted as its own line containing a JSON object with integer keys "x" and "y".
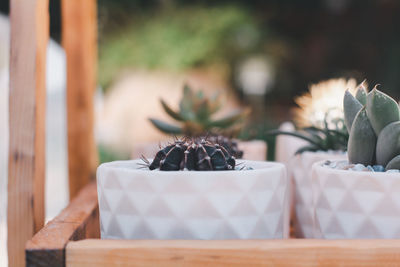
{"x": 323, "y": 98}
{"x": 196, "y": 116}
{"x": 332, "y": 136}
{"x": 373, "y": 120}
{"x": 320, "y": 116}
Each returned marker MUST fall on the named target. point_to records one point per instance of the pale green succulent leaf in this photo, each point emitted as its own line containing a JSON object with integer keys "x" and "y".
{"x": 166, "y": 127}
{"x": 388, "y": 145}
{"x": 361, "y": 94}
{"x": 175, "y": 115}
{"x": 362, "y": 140}
{"x": 382, "y": 110}
{"x": 351, "y": 107}
{"x": 394, "y": 164}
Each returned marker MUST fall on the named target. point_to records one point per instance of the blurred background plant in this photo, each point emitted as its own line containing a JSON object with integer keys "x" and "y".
{"x": 319, "y": 116}
{"x": 177, "y": 39}
{"x": 261, "y": 53}
{"x": 196, "y": 116}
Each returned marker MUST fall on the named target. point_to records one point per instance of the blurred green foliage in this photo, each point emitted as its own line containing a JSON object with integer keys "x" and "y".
{"x": 106, "y": 154}
{"x": 176, "y": 39}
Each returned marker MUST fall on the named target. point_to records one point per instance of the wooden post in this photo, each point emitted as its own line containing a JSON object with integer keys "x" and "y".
{"x": 29, "y": 38}
{"x": 79, "y": 38}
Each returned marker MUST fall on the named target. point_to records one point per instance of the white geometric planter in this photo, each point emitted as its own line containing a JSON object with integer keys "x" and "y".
{"x": 350, "y": 204}
{"x": 142, "y": 204}
{"x": 300, "y": 168}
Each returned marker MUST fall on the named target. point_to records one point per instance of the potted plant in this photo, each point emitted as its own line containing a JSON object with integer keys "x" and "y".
{"x": 197, "y": 116}
{"x": 322, "y": 135}
{"x": 193, "y": 189}
{"x": 358, "y": 198}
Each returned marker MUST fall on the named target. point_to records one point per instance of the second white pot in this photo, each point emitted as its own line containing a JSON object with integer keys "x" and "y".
{"x": 353, "y": 204}
{"x": 300, "y": 168}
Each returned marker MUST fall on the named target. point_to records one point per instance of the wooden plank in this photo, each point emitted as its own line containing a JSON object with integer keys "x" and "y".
{"x": 26, "y": 169}
{"x": 289, "y": 252}
{"x": 79, "y": 38}
{"x": 78, "y": 221}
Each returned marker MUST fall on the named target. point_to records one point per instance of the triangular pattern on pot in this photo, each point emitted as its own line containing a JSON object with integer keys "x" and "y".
{"x": 202, "y": 208}
{"x": 224, "y": 186}
{"x": 139, "y": 184}
{"x": 334, "y": 226}
{"x": 368, "y": 200}
{"x": 180, "y": 185}
{"x": 244, "y": 208}
{"x": 160, "y": 226}
{"x": 127, "y": 223}
{"x": 224, "y": 203}
{"x": 367, "y": 230}
{"x": 203, "y": 229}
{"x": 112, "y": 197}
{"x": 142, "y": 231}
{"x": 125, "y": 206}
{"x": 158, "y": 208}
{"x": 350, "y": 221}
{"x": 389, "y": 226}
{"x": 349, "y": 204}
{"x": 142, "y": 201}
{"x": 243, "y": 225}
{"x": 386, "y": 207}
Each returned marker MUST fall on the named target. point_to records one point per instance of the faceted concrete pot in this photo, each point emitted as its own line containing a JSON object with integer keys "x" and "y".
{"x": 142, "y": 204}
{"x": 360, "y": 205}
{"x": 300, "y": 167}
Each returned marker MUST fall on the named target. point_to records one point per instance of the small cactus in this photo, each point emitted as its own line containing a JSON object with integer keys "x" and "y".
{"x": 373, "y": 122}
{"x": 196, "y": 155}
{"x": 196, "y": 115}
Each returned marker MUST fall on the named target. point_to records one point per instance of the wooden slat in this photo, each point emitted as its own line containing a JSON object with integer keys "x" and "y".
{"x": 29, "y": 38}
{"x": 290, "y": 252}
{"x": 78, "y": 221}
{"x": 79, "y": 38}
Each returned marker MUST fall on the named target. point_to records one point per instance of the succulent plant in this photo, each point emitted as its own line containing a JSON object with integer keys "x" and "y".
{"x": 373, "y": 121}
{"x": 320, "y": 116}
{"x": 192, "y": 155}
{"x": 196, "y": 115}
{"x": 321, "y": 139}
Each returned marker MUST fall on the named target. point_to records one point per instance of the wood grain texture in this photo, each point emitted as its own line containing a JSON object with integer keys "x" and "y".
{"x": 26, "y": 169}
{"x": 78, "y": 221}
{"x": 290, "y": 252}
{"x": 79, "y": 38}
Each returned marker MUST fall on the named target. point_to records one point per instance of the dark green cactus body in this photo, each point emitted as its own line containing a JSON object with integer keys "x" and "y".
{"x": 362, "y": 140}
